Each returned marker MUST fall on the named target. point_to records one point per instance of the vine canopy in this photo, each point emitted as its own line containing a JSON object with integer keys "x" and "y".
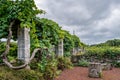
{"x": 22, "y": 11}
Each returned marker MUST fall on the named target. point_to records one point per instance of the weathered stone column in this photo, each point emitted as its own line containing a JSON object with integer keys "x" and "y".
{"x": 95, "y": 70}
{"x": 73, "y": 51}
{"x": 23, "y": 44}
{"x": 59, "y": 50}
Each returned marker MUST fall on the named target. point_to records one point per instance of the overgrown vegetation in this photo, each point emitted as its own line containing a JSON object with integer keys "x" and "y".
{"x": 44, "y": 33}
{"x": 64, "y": 63}
{"x": 83, "y": 63}
{"x": 8, "y": 74}
{"x": 13, "y": 51}
{"x": 104, "y": 52}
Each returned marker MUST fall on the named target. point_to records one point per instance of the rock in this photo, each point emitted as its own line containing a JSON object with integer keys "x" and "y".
{"x": 95, "y": 70}
{"x": 106, "y": 66}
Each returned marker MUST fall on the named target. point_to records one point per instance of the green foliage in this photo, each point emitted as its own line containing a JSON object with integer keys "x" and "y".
{"x": 48, "y": 67}
{"x": 28, "y": 74}
{"x": 103, "y": 52}
{"x": 22, "y": 12}
{"x": 91, "y": 51}
{"x": 115, "y": 42}
{"x": 47, "y": 31}
{"x": 71, "y": 41}
{"x": 64, "y": 63}
{"x": 8, "y": 74}
{"x": 43, "y": 33}
{"x": 83, "y": 63}
{"x": 112, "y": 43}
{"x": 50, "y": 70}
{"x": 67, "y": 54}
{"x": 68, "y": 42}
{"x": 13, "y": 51}
{"x": 116, "y": 64}
{"x": 76, "y": 40}
{"x": 100, "y": 74}
{"x": 108, "y": 51}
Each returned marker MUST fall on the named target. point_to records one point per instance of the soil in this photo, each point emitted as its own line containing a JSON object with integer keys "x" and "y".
{"x": 81, "y": 73}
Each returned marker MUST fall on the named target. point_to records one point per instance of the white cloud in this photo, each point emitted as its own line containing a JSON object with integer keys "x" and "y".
{"x": 112, "y": 21}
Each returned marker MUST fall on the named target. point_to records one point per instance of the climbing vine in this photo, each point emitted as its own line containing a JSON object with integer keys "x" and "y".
{"x": 15, "y": 14}
{"x": 48, "y": 32}
{"x": 22, "y": 11}
{"x": 43, "y": 32}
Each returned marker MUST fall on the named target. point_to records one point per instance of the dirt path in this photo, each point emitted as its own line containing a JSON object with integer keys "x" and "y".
{"x": 81, "y": 73}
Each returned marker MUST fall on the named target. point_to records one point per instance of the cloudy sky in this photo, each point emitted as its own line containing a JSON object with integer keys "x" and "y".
{"x": 94, "y": 21}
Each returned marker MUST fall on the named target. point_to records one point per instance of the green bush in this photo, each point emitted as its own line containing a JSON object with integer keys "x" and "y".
{"x": 28, "y": 75}
{"x": 49, "y": 70}
{"x": 67, "y": 54}
{"x": 116, "y": 64}
{"x": 64, "y": 63}
{"x": 48, "y": 66}
{"x": 83, "y": 63}
{"x": 23, "y": 74}
{"x": 103, "y": 52}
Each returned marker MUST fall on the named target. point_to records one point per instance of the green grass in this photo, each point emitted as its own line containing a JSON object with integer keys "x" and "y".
{"x": 23, "y": 74}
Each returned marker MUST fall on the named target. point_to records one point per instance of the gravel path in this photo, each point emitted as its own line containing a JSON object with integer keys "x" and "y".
{"x": 81, "y": 73}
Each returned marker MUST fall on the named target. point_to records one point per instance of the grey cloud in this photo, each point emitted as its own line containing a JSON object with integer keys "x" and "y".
{"x": 93, "y": 20}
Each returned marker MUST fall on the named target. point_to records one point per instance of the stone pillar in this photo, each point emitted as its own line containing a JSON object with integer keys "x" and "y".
{"x": 59, "y": 50}
{"x": 95, "y": 70}
{"x": 24, "y": 44}
{"x": 73, "y": 51}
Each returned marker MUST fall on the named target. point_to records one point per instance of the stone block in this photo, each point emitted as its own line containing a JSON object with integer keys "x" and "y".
{"x": 95, "y": 70}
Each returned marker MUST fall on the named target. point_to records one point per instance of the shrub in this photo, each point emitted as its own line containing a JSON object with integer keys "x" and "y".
{"x": 101, "y": 53}
{"x": 116, "y": 64}
{"x": 28, "y": 75}
{"x": 64, "y": 63}
{"x": 23, "y": 74}
{"x": 83, "y": 63}
{"x": 67, "y": 54}
{"x": 49, "y": 70}
{"x": 48, "y": 66}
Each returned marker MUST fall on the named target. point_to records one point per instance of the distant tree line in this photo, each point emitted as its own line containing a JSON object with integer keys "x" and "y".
{"x": 112, "y": 43}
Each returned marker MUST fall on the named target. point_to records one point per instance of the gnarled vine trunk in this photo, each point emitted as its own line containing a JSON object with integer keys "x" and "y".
{"x": 24, "y": 57}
